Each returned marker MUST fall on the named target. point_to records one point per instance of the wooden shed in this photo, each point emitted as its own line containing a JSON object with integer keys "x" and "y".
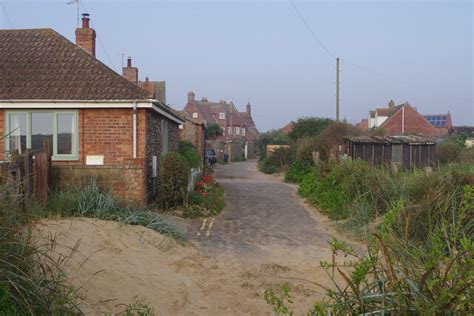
{"x": 403, "y": 151}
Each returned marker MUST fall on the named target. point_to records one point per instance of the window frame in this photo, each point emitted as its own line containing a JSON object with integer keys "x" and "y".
{"x": 229, "y": 130}
{"x": 237, "y": 131}
{"x": 55, "y": 156}
{"x": 195, "y": 115}
{"x": 221, "y": 115}
{"x": 243, "y": 131}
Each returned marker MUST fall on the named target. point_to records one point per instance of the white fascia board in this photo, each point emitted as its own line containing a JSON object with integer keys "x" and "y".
{"x": 87, "y": 104}
{"x": 71, "y": 104}
{"x": 168, "y": 115}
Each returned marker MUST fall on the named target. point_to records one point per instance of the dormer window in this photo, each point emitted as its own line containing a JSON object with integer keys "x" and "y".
{"x": 221, "y": 116}
{"x": 195, "y": 114}
{"x": 237, "y": 131}
{"x": 229, "y": 130}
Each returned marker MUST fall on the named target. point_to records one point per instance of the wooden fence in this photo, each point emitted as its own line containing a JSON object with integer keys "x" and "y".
{"x": 28, "y": 174}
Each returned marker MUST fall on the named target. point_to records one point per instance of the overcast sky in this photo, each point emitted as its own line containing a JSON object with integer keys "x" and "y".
{"x": 262, "y": 52}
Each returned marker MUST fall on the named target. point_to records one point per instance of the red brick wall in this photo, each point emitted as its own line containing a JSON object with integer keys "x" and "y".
{"x": 2, "y": 132}
{"x": 85, "y": 38}
{"x": 415, "y": 123}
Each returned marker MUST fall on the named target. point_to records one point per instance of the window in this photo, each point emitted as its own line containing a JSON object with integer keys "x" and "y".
{"x": 229, "y": 130}
{"x": 243, "y": 131}
{"x": 223, "y": 130}
{"x": 221, "y": 116}
{"x": 195, "y": 114}
{"x": 164, "y": 136}
{"x": 30, "y": 129}
{"x": 237, "y": 131}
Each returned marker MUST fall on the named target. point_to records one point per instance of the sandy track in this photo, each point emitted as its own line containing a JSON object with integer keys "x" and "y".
{"x": 264, "y": 237}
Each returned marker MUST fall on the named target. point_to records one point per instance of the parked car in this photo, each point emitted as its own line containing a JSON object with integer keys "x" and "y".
{"x": 211, "y": 157}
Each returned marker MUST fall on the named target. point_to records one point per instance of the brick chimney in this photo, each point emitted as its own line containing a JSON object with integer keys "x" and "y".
{"x": 85, "y": 36}
{"x": 149, "y": 86}
{"x": 249, "y": 109}
{"x": 130, "y": 73}
{"x": 391, "y": 104}
{"x": 191, "y": 97}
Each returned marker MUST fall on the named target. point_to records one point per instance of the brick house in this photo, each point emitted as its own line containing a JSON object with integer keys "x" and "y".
{"x": 99, "y": 124}
{"x": 400, "y": 119}
{"x": 239, "y": 131}
{"x": 193, "y": 131}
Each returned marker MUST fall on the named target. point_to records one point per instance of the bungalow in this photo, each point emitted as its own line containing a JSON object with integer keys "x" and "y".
{"x": 99, "y": 124}
{"x": 402, "y": 119}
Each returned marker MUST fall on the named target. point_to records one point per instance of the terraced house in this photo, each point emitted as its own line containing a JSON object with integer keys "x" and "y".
{"x": 98, "y": 123}
{"x": 239, "y": 132}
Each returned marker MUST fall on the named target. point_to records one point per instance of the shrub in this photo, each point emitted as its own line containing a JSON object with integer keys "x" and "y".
{"x": 274, "y": 137}
{"x": 449, "y": 151}
{"x": 279, "y": 159}
{"x": 190, "y": 153}
{"x": 296, "y": 171}
{"x": 308, "y": 127}
{"x": 174, "y": 177}
{"x": 304, "y": 149}
{"x": 207, "y": 199}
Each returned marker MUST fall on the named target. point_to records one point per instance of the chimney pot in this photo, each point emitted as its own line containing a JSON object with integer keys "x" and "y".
{"x": 146, "y": 79}
{"x": 129, "y": 62}
{"x": 85, "y": 20}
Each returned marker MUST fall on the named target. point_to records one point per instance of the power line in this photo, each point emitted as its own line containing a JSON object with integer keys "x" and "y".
{"x": 6, "y": 16}
{"x": 100, "y": 41}
{"x": 366, "y": 69}
{"x": 311, "y": 31}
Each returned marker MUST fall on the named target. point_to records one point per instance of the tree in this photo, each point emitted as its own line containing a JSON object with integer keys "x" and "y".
{"x": 309, "y": 127}
{"x": 213, "y": 130}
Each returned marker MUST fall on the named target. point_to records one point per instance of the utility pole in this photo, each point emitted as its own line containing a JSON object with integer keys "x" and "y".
{"x": 337, "y": 89}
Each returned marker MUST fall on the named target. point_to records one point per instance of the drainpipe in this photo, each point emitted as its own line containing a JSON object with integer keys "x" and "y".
{"x": 134, "y": 130}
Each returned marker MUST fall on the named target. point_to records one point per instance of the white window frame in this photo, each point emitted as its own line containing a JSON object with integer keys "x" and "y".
{"x": 243, "y": 131}
{"x": 221, "y": 116}
{"x": 223, "y": 130}
{"x": 195, "y": 115}
{"x": 229, "y": 130}
{"x": 237, "y": 131}
{"x": 56, "y": 157}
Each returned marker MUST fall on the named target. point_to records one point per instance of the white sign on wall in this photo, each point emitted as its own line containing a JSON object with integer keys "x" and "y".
{"x": 95, "y": 160}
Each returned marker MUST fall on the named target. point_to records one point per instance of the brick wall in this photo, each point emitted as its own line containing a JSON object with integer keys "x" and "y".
{"x": 108, "y": 178}
{"x": 414, "y": 123}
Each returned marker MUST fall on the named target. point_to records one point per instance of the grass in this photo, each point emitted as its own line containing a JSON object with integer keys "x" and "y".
{"x": 89, "y": 201}
{"x": 31, "y": 277}
{"x": 402, "y": 274}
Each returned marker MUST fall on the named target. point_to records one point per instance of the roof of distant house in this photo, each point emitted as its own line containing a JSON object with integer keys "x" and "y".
{"x": 395, "y": 139}
{"x": 463, "y": 130}
{"x": 288, "y": 128}
{"x": 41, "y": 64}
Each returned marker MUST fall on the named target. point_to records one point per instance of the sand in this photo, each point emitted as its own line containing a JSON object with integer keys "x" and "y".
{"x": 116, "y": 264}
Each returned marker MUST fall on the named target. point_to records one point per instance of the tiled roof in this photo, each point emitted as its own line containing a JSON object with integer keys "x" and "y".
{"x": 41, "y": 64}
{"x": 388, "y": 111}
{"x": 463, "y": 130}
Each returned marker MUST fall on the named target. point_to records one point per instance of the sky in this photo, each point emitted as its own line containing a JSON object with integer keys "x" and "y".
{"x": 262, "y": 52}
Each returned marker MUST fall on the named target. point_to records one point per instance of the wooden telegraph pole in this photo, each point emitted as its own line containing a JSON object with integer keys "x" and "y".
{"x": 337, "y": 89}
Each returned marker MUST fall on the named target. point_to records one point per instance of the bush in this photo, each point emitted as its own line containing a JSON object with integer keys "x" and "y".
{"x": 296, "y": 171}
{"x": 274, "y": 137}
{"x": 309, "y": 127}
{"x": 190, "y": 153}
{"x": 206, "y": 200}
{"x": 174, "y": 177}
{"x": 279, "y": 159}
{"x": 449, "y": 151}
